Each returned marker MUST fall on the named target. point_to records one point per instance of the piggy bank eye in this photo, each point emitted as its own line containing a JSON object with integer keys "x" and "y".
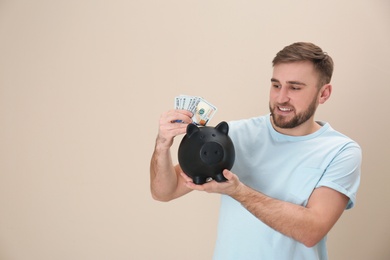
{"x": 213, "y": 135}
{"x": 201, "y": 136}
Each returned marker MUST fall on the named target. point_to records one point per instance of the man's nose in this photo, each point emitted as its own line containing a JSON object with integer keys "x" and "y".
{"x": 283, "y": 96}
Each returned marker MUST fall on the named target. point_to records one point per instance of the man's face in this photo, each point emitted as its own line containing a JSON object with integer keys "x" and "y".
{"x": 293, "y": 95}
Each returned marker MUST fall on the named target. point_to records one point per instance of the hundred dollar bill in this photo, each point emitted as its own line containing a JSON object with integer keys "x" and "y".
{"x": 201, "y": 109}
{"x": 204, "y": 112}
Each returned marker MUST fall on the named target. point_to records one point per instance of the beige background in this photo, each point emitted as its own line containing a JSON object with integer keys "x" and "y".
{"x": 82, "y": 86}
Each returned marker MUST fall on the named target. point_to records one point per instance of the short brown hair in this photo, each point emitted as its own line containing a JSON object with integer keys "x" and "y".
{"x": 306, "y": 51}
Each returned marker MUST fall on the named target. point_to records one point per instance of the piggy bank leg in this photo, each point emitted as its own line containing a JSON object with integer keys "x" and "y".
{"x": 220, "y": 178}
{"x": 199, "y": 180}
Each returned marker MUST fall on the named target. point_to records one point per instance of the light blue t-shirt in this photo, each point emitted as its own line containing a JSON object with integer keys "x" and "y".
{"x": 287, "y": 168}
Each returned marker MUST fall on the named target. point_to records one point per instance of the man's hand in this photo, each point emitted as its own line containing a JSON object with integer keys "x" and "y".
{"x": 229, "y": 187}
{"x": 172, "y": 123}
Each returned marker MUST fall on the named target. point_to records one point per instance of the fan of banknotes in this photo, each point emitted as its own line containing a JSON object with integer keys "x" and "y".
{"x": 202, "y": 110}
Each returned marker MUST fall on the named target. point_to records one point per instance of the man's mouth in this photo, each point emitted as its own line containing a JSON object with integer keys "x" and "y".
{"x": 285, "y": 109}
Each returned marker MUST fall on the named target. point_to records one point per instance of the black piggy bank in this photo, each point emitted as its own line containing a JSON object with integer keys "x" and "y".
{"x": 205, "y": 152}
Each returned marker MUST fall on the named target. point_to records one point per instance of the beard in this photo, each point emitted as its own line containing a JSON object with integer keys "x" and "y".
{"x": 298, "y": 119}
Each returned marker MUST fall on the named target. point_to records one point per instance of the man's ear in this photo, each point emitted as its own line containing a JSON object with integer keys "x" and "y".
{"x": 325, "y": 93}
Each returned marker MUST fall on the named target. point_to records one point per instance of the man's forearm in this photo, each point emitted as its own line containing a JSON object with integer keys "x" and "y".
{"x": 289, "y": 219}
{"x": 307, "y": 225}
{"x": 163, "y": 178}
{"x": 165, "y": 183}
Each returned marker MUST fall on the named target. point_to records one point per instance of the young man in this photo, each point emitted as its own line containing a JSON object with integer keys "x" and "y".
{"x": 293, "y": 176}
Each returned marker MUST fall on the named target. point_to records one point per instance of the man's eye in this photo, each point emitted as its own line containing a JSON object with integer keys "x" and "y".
{"x": 276, "y": 86}
{"x": 295, "y": 88}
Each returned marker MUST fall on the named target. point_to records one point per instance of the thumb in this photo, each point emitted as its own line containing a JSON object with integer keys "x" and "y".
{"x": 228, "y": 174}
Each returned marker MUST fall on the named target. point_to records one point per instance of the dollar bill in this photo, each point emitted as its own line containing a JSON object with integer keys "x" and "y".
{"x": 203, "y": 113}
{"x": 201, "y": 109}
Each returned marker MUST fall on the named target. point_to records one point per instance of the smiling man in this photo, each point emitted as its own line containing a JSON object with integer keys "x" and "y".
{"x": 293, "y": 176}
{"x": 293, "y": 85}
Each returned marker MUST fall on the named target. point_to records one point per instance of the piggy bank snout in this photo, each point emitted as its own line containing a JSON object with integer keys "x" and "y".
{"x": 211, "y": 153}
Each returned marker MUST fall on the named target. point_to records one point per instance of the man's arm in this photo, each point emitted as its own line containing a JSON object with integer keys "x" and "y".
{"x": 307, "y": 225}
{"x": 165, "y": 180}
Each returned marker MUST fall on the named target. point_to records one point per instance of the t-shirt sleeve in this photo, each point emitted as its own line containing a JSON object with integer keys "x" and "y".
{"x": 343, "y": 172}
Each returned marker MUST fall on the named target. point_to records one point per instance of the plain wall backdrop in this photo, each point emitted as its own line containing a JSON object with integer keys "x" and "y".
{"x": 83, "y": 84}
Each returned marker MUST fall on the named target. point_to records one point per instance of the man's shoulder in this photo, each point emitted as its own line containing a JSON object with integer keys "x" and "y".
{"x": 342, "y": 137}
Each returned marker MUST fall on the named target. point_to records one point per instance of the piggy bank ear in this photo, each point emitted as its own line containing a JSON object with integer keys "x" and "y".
{"x": 223, "y": 127}
{"x": 192, "y": 129}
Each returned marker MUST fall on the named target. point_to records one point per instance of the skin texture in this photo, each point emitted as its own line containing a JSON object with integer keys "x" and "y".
{"x": 294, "y": 98}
